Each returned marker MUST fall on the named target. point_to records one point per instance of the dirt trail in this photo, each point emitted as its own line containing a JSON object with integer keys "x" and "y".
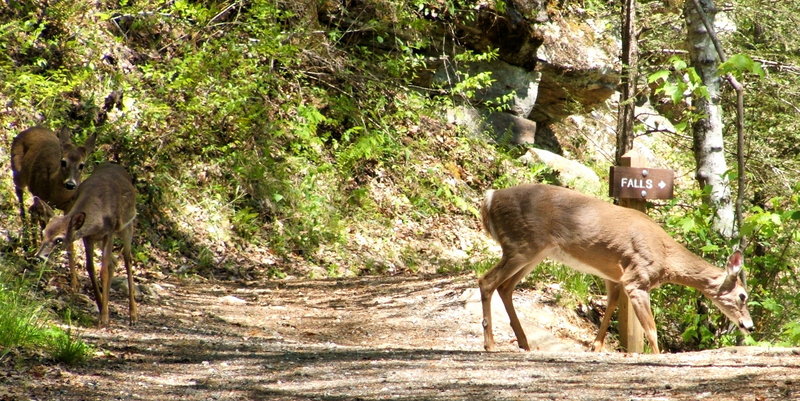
{"x": 408, "y": 338}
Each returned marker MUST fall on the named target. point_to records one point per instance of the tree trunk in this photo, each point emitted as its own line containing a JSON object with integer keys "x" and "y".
{"x": 627, "y": 100}
{"x": 707, "y": 130}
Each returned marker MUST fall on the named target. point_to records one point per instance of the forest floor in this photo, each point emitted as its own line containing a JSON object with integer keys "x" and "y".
{"x": 375, "y": 338}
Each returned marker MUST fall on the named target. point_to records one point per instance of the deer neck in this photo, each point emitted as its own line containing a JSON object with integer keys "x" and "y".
{"x": 688, "y": 269}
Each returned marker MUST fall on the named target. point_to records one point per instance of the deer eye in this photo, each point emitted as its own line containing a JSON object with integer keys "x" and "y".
{"x": 80, "y": 166}
{"x": 63, "y": 163}
{"x": 59, "y": 241}
{"x": 743, "y": 297}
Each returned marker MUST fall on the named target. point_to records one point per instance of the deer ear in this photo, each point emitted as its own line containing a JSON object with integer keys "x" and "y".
{"x": 64, "y": 136}
{"x": 37, "y": 204}
{"x": 89, "y": 144}
{"x": 42, "y": 208}
{"x": 77, "y": 221}
{"x": 735, "y": 262}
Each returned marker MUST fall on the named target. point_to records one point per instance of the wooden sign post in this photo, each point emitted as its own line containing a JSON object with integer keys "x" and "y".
{"x": 633, "y": 184}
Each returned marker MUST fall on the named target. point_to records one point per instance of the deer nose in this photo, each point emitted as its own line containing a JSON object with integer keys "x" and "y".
{"x": 747, "y": 326}
{"x": 70, "y": 184}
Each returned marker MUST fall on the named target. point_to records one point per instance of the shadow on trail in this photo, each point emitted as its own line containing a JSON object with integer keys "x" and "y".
{"x": 188, "y": 349}
{"x": 268, "y": 370}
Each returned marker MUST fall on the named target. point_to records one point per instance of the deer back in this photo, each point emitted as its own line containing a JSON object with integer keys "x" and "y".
{"x": 107, "y": 201}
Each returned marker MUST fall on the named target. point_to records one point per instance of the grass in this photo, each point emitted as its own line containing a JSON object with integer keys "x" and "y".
{"x": 25, "y": 321}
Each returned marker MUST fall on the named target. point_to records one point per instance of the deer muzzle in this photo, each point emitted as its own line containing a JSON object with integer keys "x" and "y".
{"x": 746, "y": 326}
{"x": 43, "y": 254}
{"x": 70, "y": 184}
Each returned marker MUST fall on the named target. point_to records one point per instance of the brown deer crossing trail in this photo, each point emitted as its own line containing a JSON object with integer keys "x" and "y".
{"x": 376, "y": 338}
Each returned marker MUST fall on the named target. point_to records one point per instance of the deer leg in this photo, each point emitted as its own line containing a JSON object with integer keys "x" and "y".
{"x": 640, "y": 301}
{"x": 73, "y": 271}
{"x": 503, "y": 274}
{"x": 25, "y": 230}
{"x": 612, "y": 294}
{"x": 127, "y": 237}
{"x": 505, "y": 290}
{"x": 98, "y": 297}
{"x": 106, "y": 272}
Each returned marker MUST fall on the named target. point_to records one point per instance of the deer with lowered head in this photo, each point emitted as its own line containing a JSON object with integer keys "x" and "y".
{"x": 623, "y": 246}
{"x": 49, "y": 165}
{"x": 104, "y": 207}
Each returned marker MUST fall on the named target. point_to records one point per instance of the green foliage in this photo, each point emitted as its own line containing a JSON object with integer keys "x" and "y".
{"x": 678, "y": 82}
{"x": 20, "y": 318}
{"x": 684, "y": 312}
{"x": 739, "y": 64}
{"x": 66, "y": 347}
{"x": 575, "y": 287}
{"x": 772, "y": 227}
{"x": 25, "y": 322}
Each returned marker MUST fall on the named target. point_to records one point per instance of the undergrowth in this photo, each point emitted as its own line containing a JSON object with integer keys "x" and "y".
{"x": 25, "y": 321}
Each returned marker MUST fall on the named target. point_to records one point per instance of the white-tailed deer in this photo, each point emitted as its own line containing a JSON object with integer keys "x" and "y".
{"x": 104, "y": 207}
{"x": 50, "y": 166}
{"x": 623, "y": 246}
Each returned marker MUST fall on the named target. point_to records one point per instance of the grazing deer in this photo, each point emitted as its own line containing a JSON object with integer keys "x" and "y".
{"x": 50, "y": 166}
{"x": 623, "y": 246}
{"x": 104, "y": 207}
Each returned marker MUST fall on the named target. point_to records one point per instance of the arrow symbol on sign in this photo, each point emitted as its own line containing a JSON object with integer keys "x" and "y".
{"x": 662, "y": 184}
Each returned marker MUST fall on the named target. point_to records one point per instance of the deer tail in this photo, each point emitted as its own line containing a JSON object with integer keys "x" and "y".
{"x": 485, "y": 217}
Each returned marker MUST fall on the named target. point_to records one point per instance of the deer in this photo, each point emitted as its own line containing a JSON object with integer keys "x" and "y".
{"x": 104, "y": 208}
{"x": 50, "y": 166}
{"x": 627, "y": 249}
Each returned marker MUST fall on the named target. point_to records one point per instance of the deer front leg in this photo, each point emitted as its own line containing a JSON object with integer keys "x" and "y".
{"x": 612, "y": 294}
{"x": 106, "y": 273}
{"x": 640, "y": 301}
{"x": 89, "y": 247}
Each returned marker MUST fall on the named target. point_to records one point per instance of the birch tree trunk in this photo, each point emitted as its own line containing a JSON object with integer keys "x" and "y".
{"x": 707, "y": 131}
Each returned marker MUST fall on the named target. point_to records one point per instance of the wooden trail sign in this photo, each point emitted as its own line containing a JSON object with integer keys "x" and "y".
{"x": 641, "y": 183}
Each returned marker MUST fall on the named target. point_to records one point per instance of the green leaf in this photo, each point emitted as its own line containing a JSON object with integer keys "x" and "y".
{"x": 772, "y": 305}
{"x": 738, "y": 64}
{"x": 663, "y": 74}
{"x": 687, "y": 224}
{"x": 677, "y": 63}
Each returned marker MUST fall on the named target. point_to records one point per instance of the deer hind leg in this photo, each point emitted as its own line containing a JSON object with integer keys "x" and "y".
{"x": 640, "y": 301}
{"x": 25, "y": 231}
{"x": 504, "y": 276}
{"x": 612, "y": 294}
{"x": 505, "y": 290}
{"x": 127, "y": 237}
